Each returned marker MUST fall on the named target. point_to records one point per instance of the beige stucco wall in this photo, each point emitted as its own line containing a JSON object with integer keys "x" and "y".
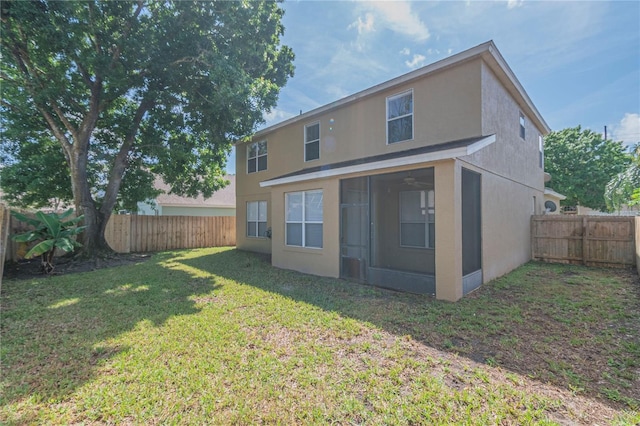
{"x": 447, "y": 106}
{"x": 510, "y": 156}
{"x": 448, "y": 231}
{"x": 257, "y": 244}
{"x": 324, "y": 261}
{"x": 465, "y": 101}
{"x": 512, "y": 180}
{"x": 507, "y": 207}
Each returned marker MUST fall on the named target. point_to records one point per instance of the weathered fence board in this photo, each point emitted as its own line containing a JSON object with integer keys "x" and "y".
{"x": 157, "y": 233}
{"x": 118, "y": 232}
{"x": 590, "y": 240}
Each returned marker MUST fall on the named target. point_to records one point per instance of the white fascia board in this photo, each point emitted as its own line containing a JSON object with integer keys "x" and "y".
{"x": 384, "y": 164}
{"x": 502, "y": 63}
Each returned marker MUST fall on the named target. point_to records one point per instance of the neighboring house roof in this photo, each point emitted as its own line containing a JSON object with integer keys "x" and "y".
{"x": 551, "y": 192}
{"x": 488, "y": 51}
{"x": 225, "y": 197}
{"x": 422, "y": 154}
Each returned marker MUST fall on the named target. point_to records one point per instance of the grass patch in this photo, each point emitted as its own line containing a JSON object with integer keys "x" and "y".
{"x": 220, "y": 336}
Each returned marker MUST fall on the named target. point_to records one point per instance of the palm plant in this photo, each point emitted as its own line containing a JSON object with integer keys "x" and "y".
{"x": 51, "y": 231}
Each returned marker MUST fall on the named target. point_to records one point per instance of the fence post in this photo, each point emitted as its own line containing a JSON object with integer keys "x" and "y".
{"x": 584, "y": 239}
{"x": 533, "y": 235}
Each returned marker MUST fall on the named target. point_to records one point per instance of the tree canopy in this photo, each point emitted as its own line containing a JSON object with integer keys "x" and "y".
{"x": 624, "y": 188}
{"x": 581, "y": 163}
{"x": 132, "y": 89}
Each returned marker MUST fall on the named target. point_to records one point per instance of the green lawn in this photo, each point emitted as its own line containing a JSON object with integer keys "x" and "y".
{"x": 219, "y": 336}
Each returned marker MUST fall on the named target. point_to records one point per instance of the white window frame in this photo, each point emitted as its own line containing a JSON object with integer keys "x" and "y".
{"x": 303, "y": 221}
{"x": 307, "y": 142}
{"x": 257, "y": 156}
{"x": 262, "y": 205}
{"x": 387, "y": 119}
{"x": 541, "y": 150}
{"x": 522, "y": 128}
{"x": 428, "y": 211}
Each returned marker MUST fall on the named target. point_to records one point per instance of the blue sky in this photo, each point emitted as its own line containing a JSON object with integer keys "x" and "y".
{"x": 579, "y": 61}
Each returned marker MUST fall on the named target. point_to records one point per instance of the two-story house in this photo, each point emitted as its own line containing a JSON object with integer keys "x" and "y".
{"x": 425, "y": 183}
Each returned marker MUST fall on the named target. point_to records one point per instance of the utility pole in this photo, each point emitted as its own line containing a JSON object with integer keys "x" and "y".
{"x": 605, "y": 133}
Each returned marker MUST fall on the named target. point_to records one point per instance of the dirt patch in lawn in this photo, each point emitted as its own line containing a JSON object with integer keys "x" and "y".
{"x": 577, "y": 329}
{"x": 30, "y": 268}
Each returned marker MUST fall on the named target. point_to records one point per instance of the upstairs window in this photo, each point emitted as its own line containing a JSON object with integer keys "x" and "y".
{"x": 257, "y": 157}
{"x": 400, "y": 117}
{"x": 522, "y": 123}
{"x": 312, "y": 142}
{"x": 256, "y": 219}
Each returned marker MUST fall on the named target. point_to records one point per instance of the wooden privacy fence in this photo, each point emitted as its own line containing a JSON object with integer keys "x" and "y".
{"x": 589, "y": 240}
{"x": 127, "y": 234}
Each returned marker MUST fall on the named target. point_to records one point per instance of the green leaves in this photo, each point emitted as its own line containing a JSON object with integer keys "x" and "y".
{"x": 581, "y": 164}
{"x": 624, "y": 188}
{"x": 130, "y": 90}
{"x": 53, "y": 231}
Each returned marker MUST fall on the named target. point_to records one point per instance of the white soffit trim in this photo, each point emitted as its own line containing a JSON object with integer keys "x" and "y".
{"x": 384, "y": 164}
{"x": 553, "y": 193}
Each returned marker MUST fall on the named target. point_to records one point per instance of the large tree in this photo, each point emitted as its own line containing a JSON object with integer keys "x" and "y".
{"x": 133, "y": 88}
{"x": 581, "y": 163}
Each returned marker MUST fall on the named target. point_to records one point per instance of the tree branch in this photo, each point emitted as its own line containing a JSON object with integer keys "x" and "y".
{"x": 125, "y": 34}
{"x": 120, "y": 162}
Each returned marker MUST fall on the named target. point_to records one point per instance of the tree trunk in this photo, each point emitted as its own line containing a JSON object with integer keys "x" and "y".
{"x": 93, "y": 241}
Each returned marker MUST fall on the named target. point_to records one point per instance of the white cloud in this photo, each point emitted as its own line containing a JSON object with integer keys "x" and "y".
{"x": 276, "y": 115}
{"x": 397, "y": 16}
{"x": 417, "y": 61}
{"x": 336, "y": 91}
{"x": 405, "y": 51}
{"x": 364, "y": 26}
{"x": 514, "y": 3}
{"x": 628, "y": 131}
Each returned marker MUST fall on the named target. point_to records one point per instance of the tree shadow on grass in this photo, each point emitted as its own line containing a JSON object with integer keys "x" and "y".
{"x": 574, "y": 327}
{"x": 55, "y": 330}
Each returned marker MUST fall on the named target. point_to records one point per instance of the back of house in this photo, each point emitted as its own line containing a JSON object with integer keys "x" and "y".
{"x": 425, "y": 183}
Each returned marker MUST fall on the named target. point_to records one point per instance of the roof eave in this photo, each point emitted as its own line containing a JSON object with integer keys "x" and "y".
{"x": 429, "y": 157}
{"x": 405, "y": 78}
{"x": 487, "y": 51}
